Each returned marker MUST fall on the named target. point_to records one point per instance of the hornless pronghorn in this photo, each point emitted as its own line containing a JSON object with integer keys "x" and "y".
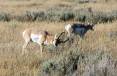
{"x": 79, "y": 29}
{"x": 40, "y": 37}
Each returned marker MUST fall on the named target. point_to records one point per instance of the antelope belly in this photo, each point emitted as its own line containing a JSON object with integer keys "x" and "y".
{"x": 35, "y": 38}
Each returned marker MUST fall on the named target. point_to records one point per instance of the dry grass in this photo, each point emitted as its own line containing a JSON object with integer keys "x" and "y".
{"x": 17, "y": 7}
{"x": 12, "y": 63}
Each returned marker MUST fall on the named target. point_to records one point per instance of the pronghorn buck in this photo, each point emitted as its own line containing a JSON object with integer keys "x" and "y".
{"x": 40, "y": 37}
{"x": 79, "y": 29}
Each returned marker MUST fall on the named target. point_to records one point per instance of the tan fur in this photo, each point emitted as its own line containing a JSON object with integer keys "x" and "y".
{"x": 45, "y": 37}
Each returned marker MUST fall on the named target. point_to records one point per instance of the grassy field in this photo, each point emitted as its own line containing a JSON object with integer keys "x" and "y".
{"x": 12, "y": 63}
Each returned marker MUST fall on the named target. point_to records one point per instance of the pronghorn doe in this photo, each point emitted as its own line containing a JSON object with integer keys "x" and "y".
{"x": 41, "y": 37}
{"x": 79, "y": 29}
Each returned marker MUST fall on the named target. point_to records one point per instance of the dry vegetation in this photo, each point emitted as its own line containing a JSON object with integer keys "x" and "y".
{"x": 95, "y": 55}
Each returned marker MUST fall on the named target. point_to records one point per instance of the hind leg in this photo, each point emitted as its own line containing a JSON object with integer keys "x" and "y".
{"x": 24, "y": 46}
{"x": 41, "y": 49}
{"x": 27, "y": 40}
{"x": 41, "y": 44}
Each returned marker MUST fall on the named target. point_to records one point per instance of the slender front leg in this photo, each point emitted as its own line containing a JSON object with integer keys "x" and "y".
{"x": 68, "y": 34}
{"x": 23, "y": 49}
{"x": 24, "y": 46}
{"x": 41, "y": 49}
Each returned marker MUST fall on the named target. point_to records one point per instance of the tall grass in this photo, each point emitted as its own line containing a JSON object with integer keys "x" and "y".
{"x": 87, "y": 56}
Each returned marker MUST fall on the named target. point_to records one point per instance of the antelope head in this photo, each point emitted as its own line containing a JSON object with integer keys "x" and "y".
{"x": 57, "y": 39}
{"x": 40, "y": 37}
{"x": 90, "y": 26}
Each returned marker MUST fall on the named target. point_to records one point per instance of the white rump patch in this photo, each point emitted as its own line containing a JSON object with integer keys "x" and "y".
{"x": 67, "y": 27}
{"x": 36, "y": 38}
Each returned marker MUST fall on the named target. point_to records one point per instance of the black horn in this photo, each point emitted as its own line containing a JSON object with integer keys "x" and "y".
{"x": 61, "y": 34}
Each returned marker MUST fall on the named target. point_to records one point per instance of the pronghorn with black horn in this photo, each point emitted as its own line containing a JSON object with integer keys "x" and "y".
{"x": 77, "y": 28}
{"x": 40, "y": 37}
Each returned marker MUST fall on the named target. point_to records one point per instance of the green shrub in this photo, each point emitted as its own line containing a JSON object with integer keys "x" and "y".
{"x": 62, "y": 64}
{"x": 75, "y": 62}
{"x": 63, "y": 14}
{"x": 53, "y": 15}
{"x": 4, "y": 16}
{"x": 67, "y": 15}
{"x": 31, "y": 16}
{"x": 83, "y": 15}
